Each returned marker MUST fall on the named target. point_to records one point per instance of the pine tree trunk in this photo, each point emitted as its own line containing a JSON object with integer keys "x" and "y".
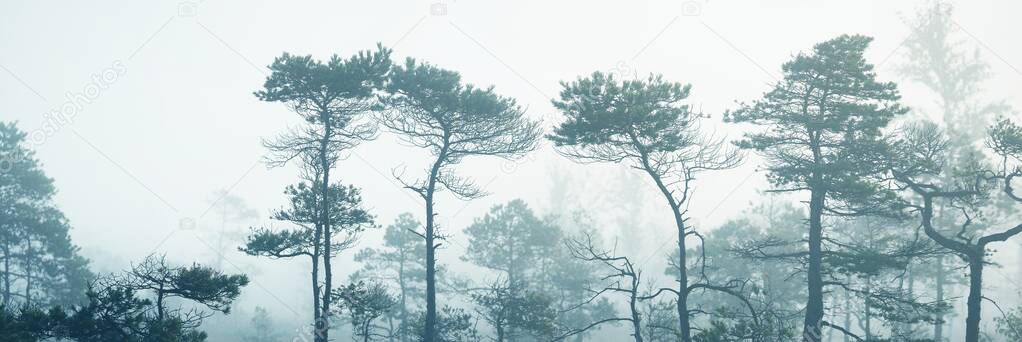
{"x": 28, "y": 272}
{"x": 683, "y": 319}
{"x": 324, "y": 218}
{"x": 811, "y": 331}
{"x": 868, "y": 324}
{"x": 430, "y": 333}
{"x": 974, "y": 301}
{"x": 938, "y": 326}
{"x": 632, "y": 305}
{"x": 403, "y": 327}
{"x": 684, "y": 325}
{"x": 316, "y": 321}
{"x": 430, "y": 328}
{"x": 848, "y": 313}
{"x": 7, "y": 274}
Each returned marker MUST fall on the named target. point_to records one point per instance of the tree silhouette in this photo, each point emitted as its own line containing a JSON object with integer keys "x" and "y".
{"x": 621, "y": 277}
{"x": 39, "y": 264}
{"x": 401, "y": 260}
{"x": 332, "y": 98}
{"x": 644, "y": 123}
{"x": 822, "y": 135}
{"x": 201, "y": 284}
{"x": 348, "y": 219}
{"x": 938, "y": 57}
{"x": 512, "y": 240}
{"x": 922, "y": 169}
{"x": 430, "y": 108}
{"x": 263, "y": 328}
{"x": 364, "y": 304}
{"x": 514, "y": 310}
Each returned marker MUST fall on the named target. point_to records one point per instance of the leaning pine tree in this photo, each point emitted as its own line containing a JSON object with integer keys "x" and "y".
{"x": 646, "y": 124}
{"x": 822, "y": 136}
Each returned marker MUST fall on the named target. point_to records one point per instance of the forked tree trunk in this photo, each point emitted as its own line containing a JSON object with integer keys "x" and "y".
{"x": 633, "y": 306}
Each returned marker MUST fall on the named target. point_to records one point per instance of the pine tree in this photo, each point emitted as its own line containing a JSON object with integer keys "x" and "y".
{"x": 39, "y": 265}
{"x": 822, "y": 135}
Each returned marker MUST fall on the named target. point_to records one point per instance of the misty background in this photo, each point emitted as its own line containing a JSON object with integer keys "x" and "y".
{"x": 174, "y": 129}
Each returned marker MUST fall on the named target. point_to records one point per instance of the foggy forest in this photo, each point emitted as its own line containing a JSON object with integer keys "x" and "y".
{"x": 694, "y": 171}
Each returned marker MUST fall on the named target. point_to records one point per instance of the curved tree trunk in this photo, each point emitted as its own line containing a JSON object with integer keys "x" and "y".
{"x": 683, "y": 320}
{"x": 430, "y": 333}
{"x": 684, "y": 325}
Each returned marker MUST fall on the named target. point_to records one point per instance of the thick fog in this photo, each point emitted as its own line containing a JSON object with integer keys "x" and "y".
{"x": 143, "y": 113}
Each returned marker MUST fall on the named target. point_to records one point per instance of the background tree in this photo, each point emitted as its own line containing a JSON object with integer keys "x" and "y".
{"x": 401, "y": 260}
{"x": 1010, "y": 325}
{"x": 453, "y": 324}
{"x": 511, "y": 239}
{"x": 567, "y": 279}
{"x": 233, "y": 213}
{"x": 771, "y": 286}
{"x": 263, "y": 328}
{"x": 364, "y": 304}
{"x": 938, "y": 56}
{"x": 515, "y": 310}
{"x": 39, "y": 265}
{"x": 822, "y": 136}
{"x": 332, "y": 97}
{"x": 644, "y": 123}
{"x": 621, "y": 277}
{"x": 347, "y": 219}
{"x": 430, "y": 108}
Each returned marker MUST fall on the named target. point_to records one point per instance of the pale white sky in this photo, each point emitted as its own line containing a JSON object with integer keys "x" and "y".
{"x": 175, "y": 119}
